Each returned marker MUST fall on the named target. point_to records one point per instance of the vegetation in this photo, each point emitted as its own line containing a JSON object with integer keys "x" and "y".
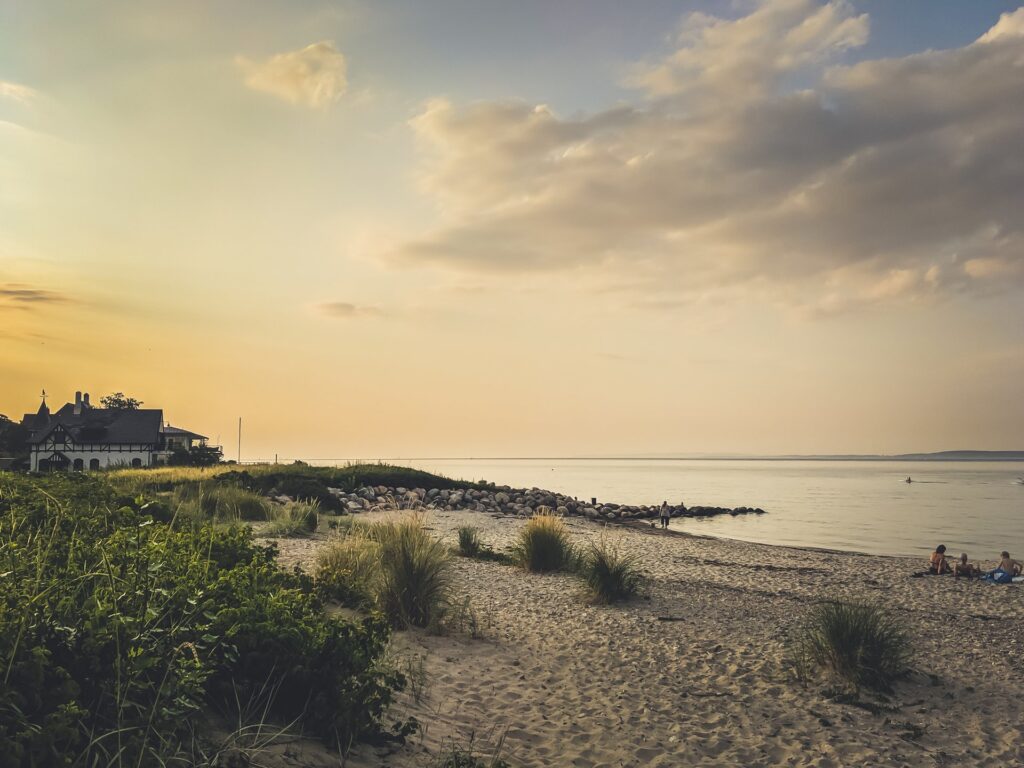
{"x": 610, "y": 575}
{"x": 469, "y": 541}
{"x": 296, "y": 518}
{"x": 544, "y": 545}
{"x": 120, "y": 621}
{"x": 456, "y": 756}
{"x": 118, "y": 401}
{"x": 395, "y": 566}
{"x": 861, "y": 644}
{"x": 471, "y": 546}
{"x": 414, "y": 573}
{"x": 347, "y": 571}
{"x": 225, "y": 503}
{"x": 196, "y": 456}
{"x": 13, "y": 439}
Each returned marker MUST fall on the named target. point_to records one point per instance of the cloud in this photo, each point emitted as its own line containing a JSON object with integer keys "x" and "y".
{"x": 887, "y": 180}
{"x": 314, "y": 76}
{"x": 749, "y": 56}
{"x": 344, "y": 310}
{"x": 22, "y": 296}
{"x": 19, "y": 93}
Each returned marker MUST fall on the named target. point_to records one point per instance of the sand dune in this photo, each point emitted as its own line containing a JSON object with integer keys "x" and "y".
{"x": 567, "y": 683}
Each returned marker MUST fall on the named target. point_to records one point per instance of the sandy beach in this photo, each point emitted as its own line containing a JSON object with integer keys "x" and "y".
{"x": 694, "y": 672}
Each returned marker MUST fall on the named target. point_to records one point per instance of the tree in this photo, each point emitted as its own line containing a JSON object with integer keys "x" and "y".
{"x": 13, "y": 438}
{"x": 196, "y": 456}
{"x": 120, "y": 402}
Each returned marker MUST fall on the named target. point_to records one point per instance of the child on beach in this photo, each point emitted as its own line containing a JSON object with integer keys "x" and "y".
{"x": 964, "y": 568}
{"x": 937, "y": 565}
{"x": 664, "y": 514}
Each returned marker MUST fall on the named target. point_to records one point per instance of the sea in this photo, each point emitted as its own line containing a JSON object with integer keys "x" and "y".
{"x": 859, "y": 506}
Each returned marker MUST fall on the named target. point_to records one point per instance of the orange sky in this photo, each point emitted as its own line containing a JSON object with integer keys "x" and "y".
{"x": 734, "y": 238}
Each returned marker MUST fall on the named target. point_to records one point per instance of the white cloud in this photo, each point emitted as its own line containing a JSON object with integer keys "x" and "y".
{"x": 314, "y": 76}
{"x": 749, "y": 56}
{"x": 16, "y": 92}
{"x": 881, "y": 182}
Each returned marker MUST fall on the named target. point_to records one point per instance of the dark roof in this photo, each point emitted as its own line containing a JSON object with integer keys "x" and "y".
{"x": 104, "y": 426}
{"x": 169, "y": 430}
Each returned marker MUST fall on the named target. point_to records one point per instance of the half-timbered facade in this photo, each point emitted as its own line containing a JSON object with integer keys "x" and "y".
{"x": 79, "y": 437}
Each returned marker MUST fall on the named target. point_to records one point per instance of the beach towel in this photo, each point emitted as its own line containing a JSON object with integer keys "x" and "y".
{"x": 998, "y": 576}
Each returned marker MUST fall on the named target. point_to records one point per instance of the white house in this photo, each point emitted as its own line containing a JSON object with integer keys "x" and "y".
{"x": 81, "y": 437}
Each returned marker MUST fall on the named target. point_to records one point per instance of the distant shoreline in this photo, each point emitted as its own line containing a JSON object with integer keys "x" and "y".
{"x": 950, "y": 456}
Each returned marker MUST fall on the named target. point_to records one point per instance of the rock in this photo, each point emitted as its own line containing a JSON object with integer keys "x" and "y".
{"x": 501, "y": 497}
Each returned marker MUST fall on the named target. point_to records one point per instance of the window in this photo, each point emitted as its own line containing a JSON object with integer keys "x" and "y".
{"x": 136, "y": 463}
{"x": 79, "y": 465}
{"x": 94, "y": 464}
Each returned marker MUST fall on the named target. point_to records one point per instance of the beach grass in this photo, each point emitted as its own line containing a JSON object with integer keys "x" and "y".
{"x": 610, "y": 574}
{"x": 347, "y": 570}
{"x": 544, "y": 545}
{"x": 296, "y": 518}
{"x": 860, "y": 643}
{"x": 469, "y": 541}
{"x": 395, "y": 566}
{"x": 415, "y": 574}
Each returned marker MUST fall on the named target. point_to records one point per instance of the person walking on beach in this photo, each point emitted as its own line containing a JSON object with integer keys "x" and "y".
{"x": 664, "y": 515}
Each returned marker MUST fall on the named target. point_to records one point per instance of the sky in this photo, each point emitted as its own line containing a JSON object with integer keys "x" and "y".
{"x": 576, "y": 228}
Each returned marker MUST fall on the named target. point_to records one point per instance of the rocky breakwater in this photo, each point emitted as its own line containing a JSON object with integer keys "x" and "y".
{"x": 511, "y": 501}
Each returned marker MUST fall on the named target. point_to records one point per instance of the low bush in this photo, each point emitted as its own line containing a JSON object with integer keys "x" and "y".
{"x": 862, "y": 644}
{"x": 610, "y": 575}
{"x": 296, "y": 518}
{"x": 544, "y": 545}
{"x": 116, "y": 630}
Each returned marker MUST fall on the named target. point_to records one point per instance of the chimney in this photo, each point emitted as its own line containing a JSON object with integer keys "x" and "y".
{"x": 85, "y": 400}
{"x": 78, "y": 403}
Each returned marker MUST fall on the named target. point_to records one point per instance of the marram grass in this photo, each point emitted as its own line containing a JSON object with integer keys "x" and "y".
{"x": 610, "y": 574}
{"x": 544, "y": 544}
{"x": 861, "y": 644}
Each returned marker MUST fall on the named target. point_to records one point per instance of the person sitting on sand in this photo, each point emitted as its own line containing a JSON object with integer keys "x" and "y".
{"x": 937, "y": 565}
{"x": 1004, "y": 573}
{"x": 664, "y": 514}
{"x": 964, "y": 568}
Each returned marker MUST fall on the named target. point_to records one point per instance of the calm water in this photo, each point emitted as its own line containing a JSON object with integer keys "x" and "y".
{"x": 852, "y": 505}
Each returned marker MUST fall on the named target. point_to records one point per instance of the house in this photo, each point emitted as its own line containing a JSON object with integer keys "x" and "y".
{"x": 80, "y": 437}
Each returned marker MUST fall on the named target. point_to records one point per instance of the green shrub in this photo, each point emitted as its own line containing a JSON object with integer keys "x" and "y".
{"x": 116, "y": 630}
{"x": 469, "y": 541}
{"x": 610, "y": 575}
{"x": 415, "y": 573}
{"x": 861, "y": 644}
{"x": 544, "y": 544}
{"x": 296, "y": 518}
